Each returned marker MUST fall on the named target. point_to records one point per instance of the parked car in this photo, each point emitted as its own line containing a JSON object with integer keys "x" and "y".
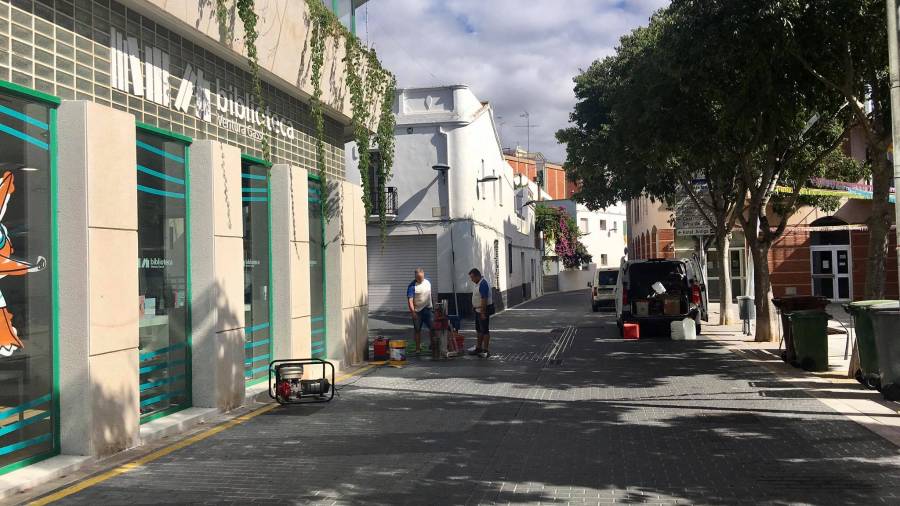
{"x": 603, "y": 288}
{"x": 683, "y": 294}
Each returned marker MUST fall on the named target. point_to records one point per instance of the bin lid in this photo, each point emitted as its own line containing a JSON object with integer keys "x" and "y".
{"x": 886, "y": 306}
{"x": 789, "y": 302}
{"x": 861, "y": 305}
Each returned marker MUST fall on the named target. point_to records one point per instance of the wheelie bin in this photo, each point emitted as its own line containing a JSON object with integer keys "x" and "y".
{"x": 865, "y": 337}
{"x": 787, "y": 305}
{"x": 810, "y": 334}
{"x": 887, "y": 340}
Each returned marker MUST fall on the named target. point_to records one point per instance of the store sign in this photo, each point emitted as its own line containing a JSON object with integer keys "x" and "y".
{"x": 149, "y": 77}
{"x": 154, "y": 263}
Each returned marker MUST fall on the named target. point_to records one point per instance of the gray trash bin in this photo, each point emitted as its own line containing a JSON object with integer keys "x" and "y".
{"x": 746, "y": 311}
{"x": 887, "y": 340}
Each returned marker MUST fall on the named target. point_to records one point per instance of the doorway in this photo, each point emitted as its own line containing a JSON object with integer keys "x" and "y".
{"x": 831, "y": 272}
{"x": 830, "y": 257}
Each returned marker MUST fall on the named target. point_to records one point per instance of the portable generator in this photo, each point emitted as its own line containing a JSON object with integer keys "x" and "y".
{"x": 287, "y": 386}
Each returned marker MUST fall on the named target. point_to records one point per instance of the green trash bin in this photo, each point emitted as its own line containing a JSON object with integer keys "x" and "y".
{"x": 887, "y": 340}
{"x": 865, "y": 336}
{"x": 788, "y": 304}
{"x": 810, "y": 331}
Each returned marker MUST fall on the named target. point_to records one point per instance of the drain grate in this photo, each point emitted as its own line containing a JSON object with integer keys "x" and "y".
{"x": 550, "y": 354}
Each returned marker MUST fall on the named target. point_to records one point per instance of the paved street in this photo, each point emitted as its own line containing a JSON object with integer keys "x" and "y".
{"x": 609, "y": 422}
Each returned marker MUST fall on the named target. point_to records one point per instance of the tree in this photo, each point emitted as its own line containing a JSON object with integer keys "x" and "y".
{"x": 842, "y": 44}
{"x": 637, "y": 131}
{"x": 778, "y": 120}
{"x": 711, "y": 88}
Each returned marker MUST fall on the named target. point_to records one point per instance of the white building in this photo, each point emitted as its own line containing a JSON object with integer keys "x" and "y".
{"x": 603, "y": 234}
{"x": 472, "y": 214}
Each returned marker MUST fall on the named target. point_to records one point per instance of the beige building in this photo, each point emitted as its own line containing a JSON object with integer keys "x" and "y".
{"x": 151, "y": 263}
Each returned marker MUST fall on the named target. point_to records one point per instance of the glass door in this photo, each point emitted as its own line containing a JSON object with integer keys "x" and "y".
{"x": 317, "y": 270}
{"x": 29, "y": 406}
{"x": 257, "y": 329}
{"x": 831, "y": 275}
{"x": 165, "y": 354}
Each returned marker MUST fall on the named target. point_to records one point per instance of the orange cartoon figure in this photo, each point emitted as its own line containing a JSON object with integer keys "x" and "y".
{"x": 9, "y": 337}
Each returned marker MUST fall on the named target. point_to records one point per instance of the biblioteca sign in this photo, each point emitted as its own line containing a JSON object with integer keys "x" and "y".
{"x": 146, "y": 74}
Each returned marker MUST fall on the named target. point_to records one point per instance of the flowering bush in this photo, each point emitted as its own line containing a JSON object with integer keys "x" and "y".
{"x": 561, "y": 230}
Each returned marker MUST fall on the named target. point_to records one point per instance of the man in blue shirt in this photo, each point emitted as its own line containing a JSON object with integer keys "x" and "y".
{"x": 483, "y": 304}
{"x": 418, "y": 299}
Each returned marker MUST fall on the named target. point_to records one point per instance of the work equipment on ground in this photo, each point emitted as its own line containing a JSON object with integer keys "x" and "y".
{"x": 398, "y": 352}
{"x": 381, "y": 350}
{"x": 631, "y": 331}
{"x": 683, "y": 330}
{"x": 288, "y": 386}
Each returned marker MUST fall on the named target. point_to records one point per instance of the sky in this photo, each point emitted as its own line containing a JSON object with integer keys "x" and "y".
{"x": 518, "y": 55}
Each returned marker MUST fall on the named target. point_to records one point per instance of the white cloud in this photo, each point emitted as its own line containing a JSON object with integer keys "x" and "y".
{"x": 517, "y": 55}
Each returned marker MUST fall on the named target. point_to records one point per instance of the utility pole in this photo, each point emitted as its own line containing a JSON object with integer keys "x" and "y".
{"x": 528, "y": 126}
{"x": 894, "y": 62}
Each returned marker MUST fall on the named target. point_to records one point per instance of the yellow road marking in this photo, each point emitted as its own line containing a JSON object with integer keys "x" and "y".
{"x": 146, "y": 459}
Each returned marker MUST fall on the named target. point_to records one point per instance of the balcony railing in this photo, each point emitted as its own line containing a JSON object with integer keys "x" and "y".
{"x": 387, "y": 201}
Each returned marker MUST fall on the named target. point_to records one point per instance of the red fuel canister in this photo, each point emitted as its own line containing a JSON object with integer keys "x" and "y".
{"x": 380, "y": 349}
{"x": 631, "y": 331}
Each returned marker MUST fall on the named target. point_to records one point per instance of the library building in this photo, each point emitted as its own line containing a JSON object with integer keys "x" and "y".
{"x": 152, "y": 262}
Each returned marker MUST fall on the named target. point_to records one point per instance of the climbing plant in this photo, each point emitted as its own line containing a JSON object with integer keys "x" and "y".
{"x": 371, "y": 89}
{"x": 560, "y": 229}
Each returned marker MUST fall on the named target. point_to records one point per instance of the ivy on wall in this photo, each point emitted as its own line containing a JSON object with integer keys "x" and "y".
{"x": 371, "y": 90}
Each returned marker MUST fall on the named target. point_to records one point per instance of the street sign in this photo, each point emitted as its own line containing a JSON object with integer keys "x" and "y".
{"x": 689, "y": 220}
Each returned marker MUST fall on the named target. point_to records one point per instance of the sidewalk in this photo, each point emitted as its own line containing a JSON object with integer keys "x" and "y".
{"x": 833, "y": 387}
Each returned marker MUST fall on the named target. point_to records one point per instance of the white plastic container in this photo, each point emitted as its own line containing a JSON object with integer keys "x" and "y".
{"x": 683, "y": 330}
{"x": 676, "y": 330}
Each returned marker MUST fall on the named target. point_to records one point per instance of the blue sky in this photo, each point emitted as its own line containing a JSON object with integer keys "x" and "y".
{"x": 519, "y": 55}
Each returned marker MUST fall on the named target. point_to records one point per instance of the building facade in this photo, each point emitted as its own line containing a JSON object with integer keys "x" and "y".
{"x": 550, "y": 176}
{"x": 458, "y": 206}
{"x": 152, "y": 262}
{"x": 820, "y": 253}
{"x": 603, "y": 233}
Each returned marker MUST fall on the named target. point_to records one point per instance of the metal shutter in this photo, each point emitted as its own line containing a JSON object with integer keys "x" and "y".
{"x": 391, "y": 269}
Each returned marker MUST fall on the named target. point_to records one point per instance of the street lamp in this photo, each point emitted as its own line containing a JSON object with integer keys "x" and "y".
{"x": 443, "y": 169}
{"x": 488, "y": 179}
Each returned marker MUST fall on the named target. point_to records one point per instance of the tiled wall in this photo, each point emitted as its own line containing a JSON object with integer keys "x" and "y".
{"x": 61, "y": 47}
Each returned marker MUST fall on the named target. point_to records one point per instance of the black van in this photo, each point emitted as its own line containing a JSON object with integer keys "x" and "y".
{"x": 684, "y": 295}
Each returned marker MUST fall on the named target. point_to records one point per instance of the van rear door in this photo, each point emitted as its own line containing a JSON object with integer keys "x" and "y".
{"x": 697, "y": 269}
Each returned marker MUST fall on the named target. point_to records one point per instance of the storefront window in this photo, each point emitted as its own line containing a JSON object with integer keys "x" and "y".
{"x": 27, "y": 406}
{"x": 255, "y": 205}
{"x": 317, "y": 270}
{"x": 162, "y": 266}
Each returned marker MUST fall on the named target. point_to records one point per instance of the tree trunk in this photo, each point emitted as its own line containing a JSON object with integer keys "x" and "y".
{"x": 762, "y": 292}
{"x": 879, "y": 223}
{"x": 723, "y": 244}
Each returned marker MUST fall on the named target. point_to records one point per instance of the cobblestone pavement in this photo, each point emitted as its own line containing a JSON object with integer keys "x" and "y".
{"x": 655, "y": 422}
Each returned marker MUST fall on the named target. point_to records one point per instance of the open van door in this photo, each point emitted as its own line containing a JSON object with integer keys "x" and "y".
{"x": 697, "y": 274}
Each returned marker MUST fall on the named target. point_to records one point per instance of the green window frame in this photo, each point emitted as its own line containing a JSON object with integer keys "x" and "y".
{"x": 318, "y": 311}
{"x": 166, "y": 358}
{"x": 256, "y": 192}
{"x": 21, "y": 411}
